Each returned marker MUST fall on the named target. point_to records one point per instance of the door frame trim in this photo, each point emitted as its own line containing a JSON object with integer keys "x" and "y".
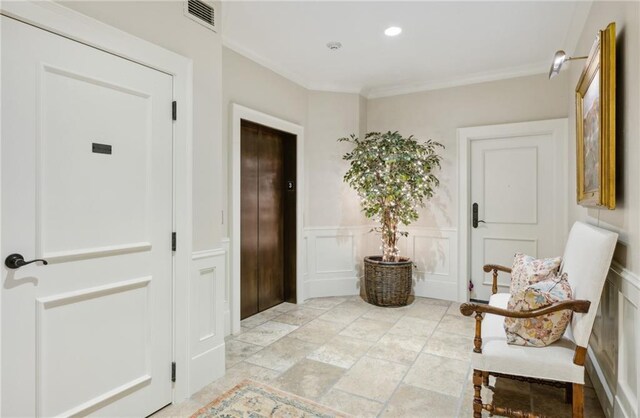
{"x": 558, "y": 128}
{"x": 68, "y": 23}
{"x": 238, "y": 113}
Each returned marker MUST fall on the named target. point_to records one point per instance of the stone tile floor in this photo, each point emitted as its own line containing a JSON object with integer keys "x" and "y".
{"x": 369, "y": 361}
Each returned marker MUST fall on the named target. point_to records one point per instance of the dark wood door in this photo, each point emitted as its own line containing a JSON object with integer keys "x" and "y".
{"x": 270, "y": 220}
{"x": 267, "y": 227}
{"x": 249, "y": 220}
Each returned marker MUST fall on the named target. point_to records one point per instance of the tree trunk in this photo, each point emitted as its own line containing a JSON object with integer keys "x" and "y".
{"x": 390, "y": 250}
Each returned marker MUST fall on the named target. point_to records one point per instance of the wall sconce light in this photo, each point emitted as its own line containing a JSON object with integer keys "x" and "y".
{"x": 558, "y": 59}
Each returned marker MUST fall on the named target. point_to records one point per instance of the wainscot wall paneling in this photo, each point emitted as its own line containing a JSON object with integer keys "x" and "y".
{"x": 333, "y": 260}
{"x": 226, "y": 246}
{"x": 207, "y": 317}
{"x": 435, "y": 253}
{"x": 613, "y": 348}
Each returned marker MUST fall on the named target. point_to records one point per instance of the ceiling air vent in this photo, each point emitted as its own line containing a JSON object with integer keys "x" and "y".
{"x": 202, "y": 12}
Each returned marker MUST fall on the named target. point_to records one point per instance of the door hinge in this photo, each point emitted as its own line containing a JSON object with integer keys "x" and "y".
{"x": 173, "y": 241}
{"x": 173, "y": 371}
{"x": 174, "y": 110}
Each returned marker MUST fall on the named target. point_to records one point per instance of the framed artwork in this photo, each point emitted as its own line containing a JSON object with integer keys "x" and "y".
{"x": 596, "y": 124}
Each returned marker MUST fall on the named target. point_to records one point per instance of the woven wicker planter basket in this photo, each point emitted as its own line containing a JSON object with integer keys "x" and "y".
{"x": 387, "y": 283}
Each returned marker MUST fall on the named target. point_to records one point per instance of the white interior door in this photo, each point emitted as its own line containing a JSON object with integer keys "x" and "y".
{"x": 516, "y": 181}
{"x": 86, "y": 185}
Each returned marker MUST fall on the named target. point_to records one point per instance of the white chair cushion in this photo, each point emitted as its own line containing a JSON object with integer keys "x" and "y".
{"x": 587, "y": 257}
{"x": 554, "y": 362}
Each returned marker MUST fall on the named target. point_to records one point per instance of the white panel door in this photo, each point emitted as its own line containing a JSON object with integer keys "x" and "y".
{"x": 86, "y": 185}
{"x": 515, "y": 180}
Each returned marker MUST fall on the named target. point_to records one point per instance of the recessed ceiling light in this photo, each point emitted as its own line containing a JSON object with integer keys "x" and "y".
{"x": 393, "y": 31}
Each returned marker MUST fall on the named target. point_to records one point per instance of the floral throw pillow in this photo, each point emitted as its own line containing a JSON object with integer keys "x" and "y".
{"x": 545, "y": 329}
{"x": 528, "y": 270}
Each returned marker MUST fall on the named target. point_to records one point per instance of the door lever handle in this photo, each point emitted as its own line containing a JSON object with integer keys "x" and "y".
{"x": 15, "y": 261}
{"x": 475, "y": 219}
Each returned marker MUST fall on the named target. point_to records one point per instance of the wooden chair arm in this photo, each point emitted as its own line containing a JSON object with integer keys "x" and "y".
{"x": 496, "y": 268}
{"x": 488, "y": 267}
{"x": 580, "y": 306}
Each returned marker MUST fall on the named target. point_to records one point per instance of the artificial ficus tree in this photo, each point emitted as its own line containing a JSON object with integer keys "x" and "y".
{"x": 393, "y": 177}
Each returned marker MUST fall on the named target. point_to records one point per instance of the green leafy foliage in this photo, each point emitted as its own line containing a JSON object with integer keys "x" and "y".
{"x": 393, "y": 177}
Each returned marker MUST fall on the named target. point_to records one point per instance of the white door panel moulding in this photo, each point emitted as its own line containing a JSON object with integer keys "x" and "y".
{"x": 60, "y": 20}
{"x": 199, "y": 255}
{"x": 556, "y": 130}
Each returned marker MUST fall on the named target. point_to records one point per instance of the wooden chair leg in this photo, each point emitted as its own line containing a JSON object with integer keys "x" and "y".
{"x": 578, "y": 401}
{"x": 568, "y": 393}
{"x": 485, "y": 379}
{"x": 477, "y": 396}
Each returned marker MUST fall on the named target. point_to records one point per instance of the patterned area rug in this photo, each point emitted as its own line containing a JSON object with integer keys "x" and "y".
{"x": 255, "y": 400}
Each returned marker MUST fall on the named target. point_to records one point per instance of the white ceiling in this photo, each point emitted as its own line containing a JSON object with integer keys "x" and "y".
{"x": 442, "y": 44}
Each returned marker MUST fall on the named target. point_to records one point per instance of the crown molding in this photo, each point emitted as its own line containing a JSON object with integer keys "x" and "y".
{"x": 278, "y": 69}
{"x": 335, "y": 88}
{"x": 477, "y": 78}
{"x": 396, "y": 90}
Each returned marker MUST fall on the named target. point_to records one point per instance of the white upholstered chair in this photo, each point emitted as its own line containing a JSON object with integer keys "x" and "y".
{"x": 586, "y": 260}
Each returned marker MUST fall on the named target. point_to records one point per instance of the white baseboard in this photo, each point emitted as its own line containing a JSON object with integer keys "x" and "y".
{"x": 206, "y": 367}
{"x": 332, "y": 287}
{"x": 605, "y": 396}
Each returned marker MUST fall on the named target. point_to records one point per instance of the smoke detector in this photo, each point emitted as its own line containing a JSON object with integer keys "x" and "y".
{"x": 334, "y": 46}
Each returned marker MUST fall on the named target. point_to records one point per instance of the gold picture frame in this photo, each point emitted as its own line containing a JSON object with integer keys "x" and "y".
{"x": 596, "y": 124}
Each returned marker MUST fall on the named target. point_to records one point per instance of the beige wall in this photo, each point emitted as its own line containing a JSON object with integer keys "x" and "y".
{"x": 615, "y": 333}
{"x": 438, "y": 114}
{"x": 362, "y": 128}
{"x": 625, "y": 219}
{"x": 331, "y": 116}
{"x": 249, "y": 84}
{"x": 164, "y": 24}
{"x": 324, "y": 116}
{"x": 327, "y": 116}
